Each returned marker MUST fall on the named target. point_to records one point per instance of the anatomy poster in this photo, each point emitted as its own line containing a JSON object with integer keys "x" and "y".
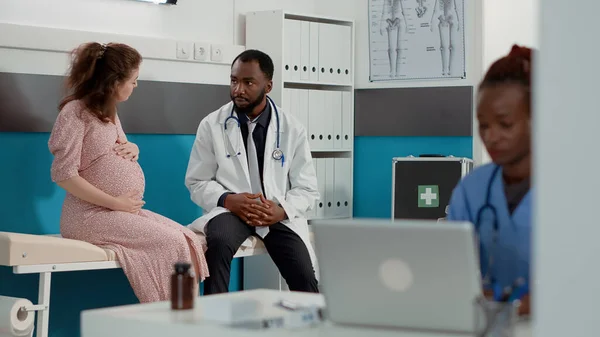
{"x": 416, "y": 39}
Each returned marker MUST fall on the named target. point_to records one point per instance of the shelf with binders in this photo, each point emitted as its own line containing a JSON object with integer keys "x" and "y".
{"x": 317, "y": 52}
{"x": 331, "y": 152}
{"x": 326, "y": 115}
{"x": 305, "y": 49}
{"x": 334, "y": 177}
{"x": 317, "y": 18}
{"x": 316, "y": 85}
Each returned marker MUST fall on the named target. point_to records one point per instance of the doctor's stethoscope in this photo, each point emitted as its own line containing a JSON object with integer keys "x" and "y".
{"x": 277, "y": 153}
{"x": 488, "y": 279}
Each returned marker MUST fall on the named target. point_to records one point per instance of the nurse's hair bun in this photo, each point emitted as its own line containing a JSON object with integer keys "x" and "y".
{"x": 512, "y": 68}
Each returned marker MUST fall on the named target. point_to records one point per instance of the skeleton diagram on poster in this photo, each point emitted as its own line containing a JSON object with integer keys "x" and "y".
{"x": 416, "y": 39}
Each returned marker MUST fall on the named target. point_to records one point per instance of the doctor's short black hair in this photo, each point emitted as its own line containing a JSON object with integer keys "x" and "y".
{"x": 264, "y": 61}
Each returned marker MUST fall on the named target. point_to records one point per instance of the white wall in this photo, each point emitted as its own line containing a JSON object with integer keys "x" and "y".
{"x": 358, "y": 10}
{"x": 243, "y": 6}
{"x": 190, "y": 19}
{"x": 497, "y": 25}
{"x": 216, "y": 22}
{"x": 220, "y": 21}
{"x": 507, "y": 22}
{"x": 566, "y": 138}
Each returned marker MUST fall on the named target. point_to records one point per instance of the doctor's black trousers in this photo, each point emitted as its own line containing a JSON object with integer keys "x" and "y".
{"x": 226, "y": 232}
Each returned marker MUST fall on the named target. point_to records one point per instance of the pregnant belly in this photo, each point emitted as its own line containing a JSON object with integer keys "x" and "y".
{"x": 115, "y": 175}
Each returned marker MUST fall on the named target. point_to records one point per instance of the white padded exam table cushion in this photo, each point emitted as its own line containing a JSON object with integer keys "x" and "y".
{"x": 18, "y": 249}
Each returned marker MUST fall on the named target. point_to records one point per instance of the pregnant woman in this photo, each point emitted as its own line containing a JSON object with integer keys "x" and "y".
{"x": 97, "y": 166}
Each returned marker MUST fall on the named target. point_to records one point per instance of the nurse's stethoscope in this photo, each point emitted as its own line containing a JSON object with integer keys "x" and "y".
{"x": 277, "y": 153}
{"x": 488, "y": 279}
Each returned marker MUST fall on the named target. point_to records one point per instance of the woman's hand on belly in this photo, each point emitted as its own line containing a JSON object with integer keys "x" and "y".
{"x": 84, "y": 190}
{"x": 127, "y": 150}
{"x": 128, "y": 203}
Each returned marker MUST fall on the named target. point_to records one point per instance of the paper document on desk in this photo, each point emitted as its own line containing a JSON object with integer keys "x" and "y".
{"x": 252, "y": 314}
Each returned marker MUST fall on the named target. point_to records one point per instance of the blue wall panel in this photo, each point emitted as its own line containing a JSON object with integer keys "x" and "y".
{"x": 373, "y": 167}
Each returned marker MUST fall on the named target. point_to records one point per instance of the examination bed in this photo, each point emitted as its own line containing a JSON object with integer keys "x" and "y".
{"x": 47, "y": 254}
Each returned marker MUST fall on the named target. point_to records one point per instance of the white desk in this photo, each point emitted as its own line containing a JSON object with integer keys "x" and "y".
{"x": 157, "y": 319}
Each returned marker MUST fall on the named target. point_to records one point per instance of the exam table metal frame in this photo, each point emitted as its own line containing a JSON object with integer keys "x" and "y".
{"x": 42, "y": 309}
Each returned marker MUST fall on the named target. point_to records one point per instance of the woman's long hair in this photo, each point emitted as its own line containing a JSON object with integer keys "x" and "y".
{"x": 96, "y": 71}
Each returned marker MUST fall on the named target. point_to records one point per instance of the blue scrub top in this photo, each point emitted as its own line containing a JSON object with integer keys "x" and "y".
{"x": 512, "y": 252}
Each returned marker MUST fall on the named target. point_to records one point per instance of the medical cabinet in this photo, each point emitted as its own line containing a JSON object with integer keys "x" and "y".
{"x": 422, "y": 186}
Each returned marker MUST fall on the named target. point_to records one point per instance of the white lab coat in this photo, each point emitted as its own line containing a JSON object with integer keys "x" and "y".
{"x": 211, "y": 172}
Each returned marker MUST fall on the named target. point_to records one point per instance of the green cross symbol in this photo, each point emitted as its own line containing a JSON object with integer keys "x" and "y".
{"x": 428, "y": 196}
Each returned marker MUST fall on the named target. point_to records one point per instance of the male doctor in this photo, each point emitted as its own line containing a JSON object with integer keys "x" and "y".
{"x": 251, "y": 172}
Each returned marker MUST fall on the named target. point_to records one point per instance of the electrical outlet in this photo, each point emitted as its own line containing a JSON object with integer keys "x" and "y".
{"x": 201, "y": 51}
{"x": 216, "y": 54}
{"x": 184, "y": 50}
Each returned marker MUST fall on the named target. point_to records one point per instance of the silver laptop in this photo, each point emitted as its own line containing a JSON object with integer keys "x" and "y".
{"x": 412, "y": 274}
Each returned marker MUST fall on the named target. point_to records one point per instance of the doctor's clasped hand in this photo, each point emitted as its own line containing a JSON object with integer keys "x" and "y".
{"x": 248, "y": 207}
{"x": 266, "y": 213}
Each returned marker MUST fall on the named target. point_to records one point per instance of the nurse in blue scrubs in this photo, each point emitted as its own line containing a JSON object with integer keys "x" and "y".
{"x": 496, "y": 197}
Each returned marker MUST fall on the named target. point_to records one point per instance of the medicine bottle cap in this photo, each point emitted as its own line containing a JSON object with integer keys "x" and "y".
{"x": 182, "y": 267}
